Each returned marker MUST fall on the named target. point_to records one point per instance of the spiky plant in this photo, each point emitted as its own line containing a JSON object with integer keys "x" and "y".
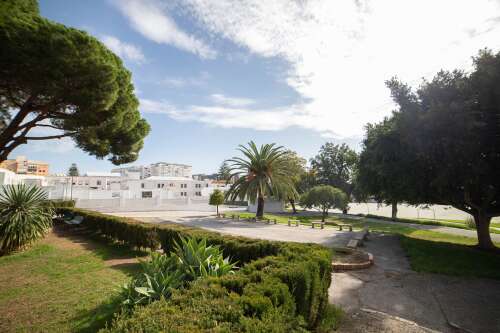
{"x": 24, "y": 216}
{"x": 263, "y": 172}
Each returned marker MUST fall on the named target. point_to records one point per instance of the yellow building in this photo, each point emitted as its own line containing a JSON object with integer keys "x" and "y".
{"x": 23, "y": 166}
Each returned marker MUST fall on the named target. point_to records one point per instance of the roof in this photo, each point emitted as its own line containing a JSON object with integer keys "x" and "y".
{"x": 102, "y": 174}
{"x": 167, "y": 178}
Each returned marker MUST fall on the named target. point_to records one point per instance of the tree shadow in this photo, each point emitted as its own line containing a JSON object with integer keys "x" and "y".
{"x": 91, "y": 320}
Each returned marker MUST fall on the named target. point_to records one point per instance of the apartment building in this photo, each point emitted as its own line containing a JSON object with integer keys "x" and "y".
{"x": 21, "y": 165}
{"x": 163, "y": 169}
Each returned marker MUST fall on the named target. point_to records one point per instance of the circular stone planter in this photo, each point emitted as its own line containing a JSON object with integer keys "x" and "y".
{"x": 351, "y": 260}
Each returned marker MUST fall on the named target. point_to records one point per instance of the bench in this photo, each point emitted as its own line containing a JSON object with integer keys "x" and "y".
{"x": 344, "y": 225}
{"x": 297, "y": 222}
{"x": 321, "y": 224}
{"x": 268, "y": 221}
{"x": 353, "y": 243}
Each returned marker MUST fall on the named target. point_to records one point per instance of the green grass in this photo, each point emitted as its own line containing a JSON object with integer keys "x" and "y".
{"x": 53, "y": 287}
{"x": 460, "y": 224}
{"x": 428, "y": 251}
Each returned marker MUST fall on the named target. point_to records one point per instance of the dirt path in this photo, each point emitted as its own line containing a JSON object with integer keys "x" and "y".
{"x": 432, "y": 301}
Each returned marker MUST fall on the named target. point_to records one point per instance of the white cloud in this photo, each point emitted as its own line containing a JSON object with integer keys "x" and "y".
{"x": 150, "y": 19}
{"x": 341, "y": 52}
{"x": 124, "y": 50}
{"x": 231, "y": 101}
{"x": 181, "y": 82}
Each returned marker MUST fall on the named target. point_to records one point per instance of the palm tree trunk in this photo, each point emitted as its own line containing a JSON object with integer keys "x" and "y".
{"x": 260, "y": 207}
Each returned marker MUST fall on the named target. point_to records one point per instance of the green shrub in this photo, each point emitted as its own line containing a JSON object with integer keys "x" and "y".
{"x": 470, "y": 223}
{"x": 56, "y": 204}
{"x": 162, "y": 274}
{"x": 300, "y": 274}
{"x": 24, "y": 217}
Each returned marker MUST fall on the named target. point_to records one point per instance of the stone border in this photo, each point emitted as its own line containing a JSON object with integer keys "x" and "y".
{"x": 353, "y": 266}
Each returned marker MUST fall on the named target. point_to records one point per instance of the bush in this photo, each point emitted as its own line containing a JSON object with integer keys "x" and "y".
{"x": 24, "y": 216}
{"x": 162, "y": 274}
{"x": 470, "y": 223}
{"x": 56, "y": 204}
{"x": 279, "y": 287}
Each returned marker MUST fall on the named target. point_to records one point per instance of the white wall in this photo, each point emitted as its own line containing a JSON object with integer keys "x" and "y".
{"x": 270, "y": 206}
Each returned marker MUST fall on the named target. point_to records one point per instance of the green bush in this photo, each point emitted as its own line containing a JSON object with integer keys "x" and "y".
{"x": 279, "y": 287}
{"x": 24, "y": 217}
{"x": 56, "y": 204}
{"x": 162, "y": 274}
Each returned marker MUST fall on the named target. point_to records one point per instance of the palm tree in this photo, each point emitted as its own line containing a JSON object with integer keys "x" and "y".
{"x": 262, "y": 173}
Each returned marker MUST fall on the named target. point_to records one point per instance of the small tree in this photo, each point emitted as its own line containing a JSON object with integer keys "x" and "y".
{"x": 216, "y": 199}
{"x": 323, "y": 198}
{"x": 73, "y": 170}
{"x": 335, "y": 165}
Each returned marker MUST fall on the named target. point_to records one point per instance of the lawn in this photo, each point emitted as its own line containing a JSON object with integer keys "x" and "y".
{"x": 428, "y": 251}
{"x": 63, "y": 284}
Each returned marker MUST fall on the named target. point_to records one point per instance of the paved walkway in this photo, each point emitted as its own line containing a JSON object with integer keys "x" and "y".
{"x": 303, "y": 234}
{"x": 442, "y": 229}
{"x": 433, "y": 301}
{"x": 390, "y": 287}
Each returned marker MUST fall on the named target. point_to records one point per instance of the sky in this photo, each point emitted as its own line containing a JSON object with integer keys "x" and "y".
{"x": 213, "y": 74}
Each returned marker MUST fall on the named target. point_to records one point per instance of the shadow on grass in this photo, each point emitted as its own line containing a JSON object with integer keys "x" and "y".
{"x": 450, "y": 259}
{"x": 118, "y": 255}
{"x": 91, "y": 320}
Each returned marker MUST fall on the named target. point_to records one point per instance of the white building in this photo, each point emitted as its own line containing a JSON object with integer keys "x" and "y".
{"x": 168, "y": 187}
{"x": 8, "y": 177}
{"x": 162, "y": 169}
{"x": 134, "y": 172}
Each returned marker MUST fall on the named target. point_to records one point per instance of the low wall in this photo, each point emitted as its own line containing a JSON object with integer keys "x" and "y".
{"x": 143, "y": 205}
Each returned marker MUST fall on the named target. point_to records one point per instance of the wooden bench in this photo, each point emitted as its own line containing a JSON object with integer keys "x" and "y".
{"x": 297, "y": 222}
{"x": 268, "y": 221}
{"x": 322, "y": 224}
{"x": 344, "y": 225}
{"x": 353, "y": 243}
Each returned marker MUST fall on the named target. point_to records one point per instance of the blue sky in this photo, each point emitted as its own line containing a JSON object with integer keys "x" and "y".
{"x": 214, "y": 74}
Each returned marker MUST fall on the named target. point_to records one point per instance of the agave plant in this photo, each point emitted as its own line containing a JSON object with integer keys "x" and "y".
{"x": 196, "y": 259}
{"x": 24, "y": 216}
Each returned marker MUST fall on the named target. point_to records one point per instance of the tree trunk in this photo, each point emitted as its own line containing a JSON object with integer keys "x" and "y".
{"x": 217, "y": 207}
{"x": 483, "y": 232}
{"x": 344, "y": 211}
{"x": 325, "y": 212}
{"x": 260, "y": 207}
{"x": 294, "y": 210}
{"x": 394, "y": 213}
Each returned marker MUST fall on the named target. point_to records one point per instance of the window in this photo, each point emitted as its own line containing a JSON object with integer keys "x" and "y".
{"x": 172, "y": 185}
{"x": 158, "y": 185}
{"x": 98, "y": 182}
{"x": 142, "y": 185}
{"x": 198, "y": 194}
{"x": 147, "y": 194}
{"x": 183, "y": 194}
{"x": 183, "y": 185}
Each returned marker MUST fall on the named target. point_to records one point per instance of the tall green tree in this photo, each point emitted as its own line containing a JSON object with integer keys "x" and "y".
{"x": 451, "y": 128}
{"x": 73, "y": 170}
{"x": 261, "y": 173}
{"x": 224, "y": 172}
{"x": 335, "y": 165}
{"x": 384, "y": 162}
{"x": 66, "y": 81}
{"x": 297, "y": 167}
{"x": 323, "y": 198}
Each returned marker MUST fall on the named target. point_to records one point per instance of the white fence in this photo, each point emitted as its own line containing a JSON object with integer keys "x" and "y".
{"x": 147, "y": 204}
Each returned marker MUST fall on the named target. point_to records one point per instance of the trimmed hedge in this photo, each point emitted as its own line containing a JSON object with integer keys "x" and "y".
{"x": 282, "y": 283}
{"x": 61, "y": 203}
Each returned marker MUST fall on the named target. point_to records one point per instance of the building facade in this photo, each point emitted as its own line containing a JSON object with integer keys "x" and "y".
{"x": 162, "y": 169}
{"x": 21, "y": 165}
